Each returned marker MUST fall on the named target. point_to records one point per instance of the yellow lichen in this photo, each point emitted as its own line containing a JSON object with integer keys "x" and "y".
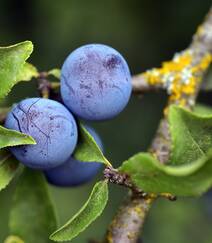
{"x": 180, "y": 76}
{"x": 13, "y": 239}
{"x": 131, "y": 235}
{"x": 200, "y": 31}
{"x": 139, "y": 211}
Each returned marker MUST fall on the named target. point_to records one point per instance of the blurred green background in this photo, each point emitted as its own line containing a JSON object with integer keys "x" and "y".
{"x": 146, "y": 32}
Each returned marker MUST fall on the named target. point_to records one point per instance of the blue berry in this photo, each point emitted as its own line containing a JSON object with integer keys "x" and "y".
{"x": 51, "y": 125}
{"x": 74, "y": 172}
{"x": 95, "y": 82}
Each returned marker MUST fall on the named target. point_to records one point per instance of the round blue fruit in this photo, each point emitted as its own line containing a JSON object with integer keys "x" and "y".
{"x": 51, "y": 125}
{"x": 95, "y": 82}
{"x": 74, "y": 172}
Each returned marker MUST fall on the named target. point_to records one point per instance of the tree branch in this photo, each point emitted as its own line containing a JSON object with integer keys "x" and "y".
{"x": 182, "y": 86}
{"x": 141, "y": 85}
{"x": 134, "y": 208}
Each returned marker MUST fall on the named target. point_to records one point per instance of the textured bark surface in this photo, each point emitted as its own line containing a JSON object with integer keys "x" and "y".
{"x": 134, "y": 208}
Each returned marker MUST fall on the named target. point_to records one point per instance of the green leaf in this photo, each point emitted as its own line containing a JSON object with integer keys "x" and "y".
{"x": 189, "y": 171}
{"x": 152, "y": 177}
{"x": 202, "y": 110}
{"x": 87, "y": 150}
{"x": 27, "y": 72}
{"x": 87, "y": 214}
{"x": 12, "y": 60}
{"x": 8, "y": 168}
{"x": 55, "y": 72}
{"x": 191, "y": 135}
{"x": 10, "y": 138}
{"x": 13, "y": 239}
{"x": 32, "y": 216}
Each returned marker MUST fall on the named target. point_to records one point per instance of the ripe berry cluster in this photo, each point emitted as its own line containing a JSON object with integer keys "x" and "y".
{"x": 95, "y": 85}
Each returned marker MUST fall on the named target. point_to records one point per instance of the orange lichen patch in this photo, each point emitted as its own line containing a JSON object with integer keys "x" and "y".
{"x": 180, "y": 76}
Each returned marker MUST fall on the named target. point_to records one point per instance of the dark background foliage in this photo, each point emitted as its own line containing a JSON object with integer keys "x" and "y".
{"x": 146, "y": 33}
